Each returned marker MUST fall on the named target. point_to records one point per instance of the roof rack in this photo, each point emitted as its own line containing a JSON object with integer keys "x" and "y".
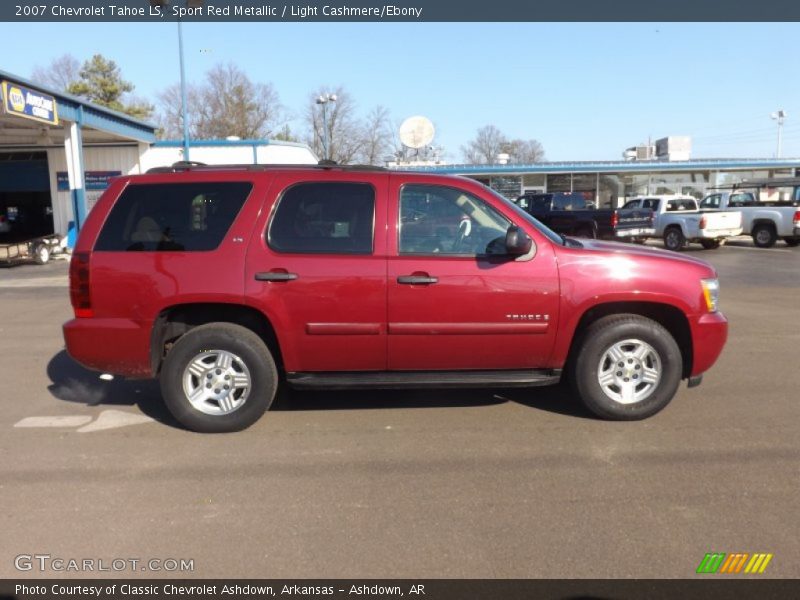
{"x": 186, "y": 165}
{"x": 773, "y": 182}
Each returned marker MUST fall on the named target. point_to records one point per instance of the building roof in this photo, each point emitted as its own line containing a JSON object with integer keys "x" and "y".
{"x": 94, "y": 116}
{"x": 226, "y": 143}
{"x": 614, "y": 166}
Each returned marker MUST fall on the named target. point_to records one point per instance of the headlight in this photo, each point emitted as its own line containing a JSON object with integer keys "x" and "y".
{"x": 711, "y": 293}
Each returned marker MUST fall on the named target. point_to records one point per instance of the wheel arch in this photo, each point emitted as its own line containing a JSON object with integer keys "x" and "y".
{"x": 174, "y": 321}
{"x": 668, "y": 316}
{"x": 764, "y": 221}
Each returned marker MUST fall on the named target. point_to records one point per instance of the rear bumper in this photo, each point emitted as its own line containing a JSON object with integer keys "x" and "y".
{"x": 709, "y": 334}
{"x": 118, "y": 346}
{"x": 635, "y": 232}
{"x": 713, "y": 234}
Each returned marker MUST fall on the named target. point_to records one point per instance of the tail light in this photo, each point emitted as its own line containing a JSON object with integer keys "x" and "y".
{"x": 796, "y": 219}
{"x": 703, "y": 222}
{"x": 614, "y": 219}
{"x": 79, "y": 290}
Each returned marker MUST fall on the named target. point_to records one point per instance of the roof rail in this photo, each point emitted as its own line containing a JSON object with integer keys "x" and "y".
{"x": 185, "y": 165}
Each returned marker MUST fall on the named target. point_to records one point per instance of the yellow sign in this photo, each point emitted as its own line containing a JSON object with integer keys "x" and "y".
{"x": 27, "y": 103}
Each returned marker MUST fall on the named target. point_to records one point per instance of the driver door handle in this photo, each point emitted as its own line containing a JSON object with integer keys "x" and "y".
{"x": 417, "y": 279}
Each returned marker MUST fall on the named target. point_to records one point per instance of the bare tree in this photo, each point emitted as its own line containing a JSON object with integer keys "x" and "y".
{"x": 229, "y": 104}
{"x": 169, "y": 116}
{"x": 488, "y": 143}
{"x": 377, "y": 137}
{"x": 345, "y": 134}
{"x": 524, "y": 152}
{"x": 60, "y": 74}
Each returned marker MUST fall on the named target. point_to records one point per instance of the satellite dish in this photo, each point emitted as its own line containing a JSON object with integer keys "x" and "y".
{"x": 416, "y": 132}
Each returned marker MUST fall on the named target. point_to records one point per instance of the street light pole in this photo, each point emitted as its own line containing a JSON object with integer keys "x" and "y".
{"x": 189, "y": 4}
{"x": 183, "y": 95}
{"x": 780, "y": 117}
{"x": 323, "y": 100}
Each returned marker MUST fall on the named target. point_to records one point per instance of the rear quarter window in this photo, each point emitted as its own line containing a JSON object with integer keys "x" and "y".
{"x": 173, "y": 217}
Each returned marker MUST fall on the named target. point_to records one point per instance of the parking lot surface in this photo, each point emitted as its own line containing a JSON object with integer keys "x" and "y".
{"x": 457, "y": 483}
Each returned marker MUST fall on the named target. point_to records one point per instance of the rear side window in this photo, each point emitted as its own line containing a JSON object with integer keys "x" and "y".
{"x": 172, "y": 217}
{"x": 324, "y": 218}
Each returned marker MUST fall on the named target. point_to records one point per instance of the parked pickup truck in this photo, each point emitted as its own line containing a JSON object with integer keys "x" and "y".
{"x": 766, "y": 222}
{"x": 678, "y": 221}
{"x": 568, "y": 213}
{"x": 228, "y": 282}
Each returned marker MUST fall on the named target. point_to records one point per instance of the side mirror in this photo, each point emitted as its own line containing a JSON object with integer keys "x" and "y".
{"x": 517, "y": 241}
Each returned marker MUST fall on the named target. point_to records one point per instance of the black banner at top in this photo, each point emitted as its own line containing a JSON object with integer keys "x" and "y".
{"x": 397, "y": 10}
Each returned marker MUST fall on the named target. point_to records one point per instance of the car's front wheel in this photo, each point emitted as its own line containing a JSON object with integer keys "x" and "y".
{"x": 218, "y": 377}
{"x": 627, "y": 368}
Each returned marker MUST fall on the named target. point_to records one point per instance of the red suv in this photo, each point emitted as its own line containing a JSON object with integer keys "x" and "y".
{"x": 226, "y": 282}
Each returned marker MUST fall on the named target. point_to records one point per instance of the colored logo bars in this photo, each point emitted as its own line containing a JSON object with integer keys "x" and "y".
{"x": 737, "y": 562}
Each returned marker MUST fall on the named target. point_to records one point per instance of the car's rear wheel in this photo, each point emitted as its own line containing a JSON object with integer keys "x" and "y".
{"x": 674, "y": 239}
{"x": 710, "y": 244}
{"x": 792, "y": 242}
{"x": 764, "y": 235}
{"x": 218, "y": 377}
{"x": 627, "y": 368}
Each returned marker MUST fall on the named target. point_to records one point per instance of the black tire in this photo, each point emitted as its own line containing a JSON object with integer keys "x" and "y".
{"x": 250, "y": 352}
{"x": 792, "y": 242}
{"x": 598, "y": 339}
{"x": 674, "y": 239}
{"x": 764, "y": 235}
{"x": 710, "y": 244}
{"x": 41, "y": 254}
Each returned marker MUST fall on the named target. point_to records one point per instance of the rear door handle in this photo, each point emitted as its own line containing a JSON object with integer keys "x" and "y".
{"x": 275, "y": 276}
{"x": 417, "y": 279}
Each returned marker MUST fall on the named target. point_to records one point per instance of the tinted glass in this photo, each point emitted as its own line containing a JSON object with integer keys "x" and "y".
{"x": 444, "y": 220}
{"x": 172, "y": 217}
{"x": 324, "y": 218}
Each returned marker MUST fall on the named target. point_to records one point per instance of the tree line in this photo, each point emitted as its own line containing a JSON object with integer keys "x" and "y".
{"x": 228, "y": 103}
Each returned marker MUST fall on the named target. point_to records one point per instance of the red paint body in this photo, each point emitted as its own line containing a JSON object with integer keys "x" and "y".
{"x": 348, "y": 313}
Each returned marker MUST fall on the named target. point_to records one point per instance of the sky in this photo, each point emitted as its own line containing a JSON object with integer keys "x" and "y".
{"x": 585, "y": 91}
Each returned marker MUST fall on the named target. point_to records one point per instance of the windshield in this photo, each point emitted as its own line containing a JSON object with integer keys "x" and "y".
{"x": 546, "y": 231}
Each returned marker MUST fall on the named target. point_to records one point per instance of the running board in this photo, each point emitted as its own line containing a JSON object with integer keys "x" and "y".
{"x": 423, "y": 379}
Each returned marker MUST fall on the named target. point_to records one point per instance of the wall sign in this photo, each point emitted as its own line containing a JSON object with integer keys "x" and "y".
{"x": 28, "y": 103}
{"x": 92, "y": 180}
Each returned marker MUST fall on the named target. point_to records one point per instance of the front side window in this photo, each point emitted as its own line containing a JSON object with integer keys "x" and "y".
{"x": 444, "y": 220}
{"x": 172, "y": 217}
{"x": 324, "y": 218}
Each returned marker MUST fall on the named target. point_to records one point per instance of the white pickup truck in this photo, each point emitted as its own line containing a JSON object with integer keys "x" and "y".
{"x": 678, "y": 221}
{"x": 764, "y": 221}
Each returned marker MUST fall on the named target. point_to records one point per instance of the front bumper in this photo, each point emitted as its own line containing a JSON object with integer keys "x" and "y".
{"x": 709, "y": 334}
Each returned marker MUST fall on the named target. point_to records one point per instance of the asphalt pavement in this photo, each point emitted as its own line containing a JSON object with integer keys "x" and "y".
{"x": 417, "y": 484}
